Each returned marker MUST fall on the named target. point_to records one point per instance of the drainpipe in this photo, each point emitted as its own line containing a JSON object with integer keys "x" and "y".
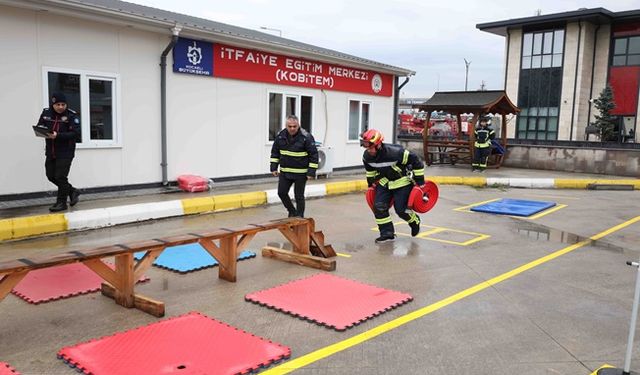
{"x": 593, "y": 70}
{"x": 396, "y": 98}
{"x": 506, "y": 69}
{"x": 575, "y": 82}
{"x": 163, "y": 100}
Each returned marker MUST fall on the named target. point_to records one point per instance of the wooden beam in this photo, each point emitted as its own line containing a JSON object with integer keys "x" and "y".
{"x": 140, "y": 302}
{"x": 228, "y": 268}
{"x": 104, "y": 271}
{"x": 143, "y": 264}
{"x": 8, "y": 282}
{"x": 326, "y": 250}
{"x": 290, "y": 235}
{"x": 326, "y": 264}
{"x": 425, "y": 139}
{"x": 244, "y": 241}
{"x": 302, "y": 234}
{"x": 124, "y": 270}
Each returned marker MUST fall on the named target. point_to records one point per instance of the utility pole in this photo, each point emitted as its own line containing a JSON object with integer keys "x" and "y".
{"x": 466, "y": 74}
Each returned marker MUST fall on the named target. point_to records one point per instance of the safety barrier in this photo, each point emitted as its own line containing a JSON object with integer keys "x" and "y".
{"x": 308, "y": 249}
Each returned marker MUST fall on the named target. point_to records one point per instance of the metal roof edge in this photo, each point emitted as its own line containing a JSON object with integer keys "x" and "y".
{"x": 228, "y": 33}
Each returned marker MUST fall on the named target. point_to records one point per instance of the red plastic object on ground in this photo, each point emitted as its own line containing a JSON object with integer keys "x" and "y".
{"x": 423, "y": 198}
{"x": 330, "y": 300}
{"x": 192, "y": 183}
{"x": 187, "y": 344}
{"x": 49, "y": 284}
{"x": 5, "y": 369}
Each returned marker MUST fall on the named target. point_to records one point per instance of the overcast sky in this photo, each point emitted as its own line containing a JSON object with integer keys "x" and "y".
{"x": 429, "y": 37}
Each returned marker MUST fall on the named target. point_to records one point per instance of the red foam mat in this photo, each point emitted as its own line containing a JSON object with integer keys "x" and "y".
{"x": 330, "y": 300}
{"x": 188, "y": 344}
{"x": 5, "y": 369}
{"x": 53, "y": 283}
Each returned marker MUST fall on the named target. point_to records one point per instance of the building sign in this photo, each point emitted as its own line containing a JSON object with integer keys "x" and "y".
{"x": 259, "y": 66}
{"x": 193, "y": 57}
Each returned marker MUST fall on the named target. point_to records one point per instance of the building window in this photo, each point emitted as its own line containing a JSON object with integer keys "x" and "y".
{"x": 358, "y": 118}
{"x": 542, "y": 49}
{"x": 626, "y": 51}
{"x": 282, "y": 105}
{"x": 540, "y": 85}
{"x": 93, "y": 96}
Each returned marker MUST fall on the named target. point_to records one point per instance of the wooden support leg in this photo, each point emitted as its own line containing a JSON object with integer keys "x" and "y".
{"x": 142, "y": 303}
{"x": 302, "y": 236}
{"x": 124, "y": 271}
{"x": 9, "y": 281}
{"x": 226, "y": 255}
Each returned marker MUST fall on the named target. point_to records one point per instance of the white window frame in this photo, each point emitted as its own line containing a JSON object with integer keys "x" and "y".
{"x": 360, "y": 128}
{"x": 85, "y": 120}
{"x": 288, "y": 94}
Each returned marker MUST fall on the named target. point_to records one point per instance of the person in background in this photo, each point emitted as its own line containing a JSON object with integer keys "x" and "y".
{"x": 294, "y": 150}
{"x": 60, "y": 148}
{"x": 482, "y": 148}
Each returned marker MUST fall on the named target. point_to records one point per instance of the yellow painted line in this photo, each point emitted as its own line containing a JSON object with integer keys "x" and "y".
{"x": 227, "y": 202}
{"x": 466, "y": 208}
{"x": 554, "y": 196}
{"x": 343, "y": 255}
{"x": 341, "y": 187}
{"x": 426, "y": 235}
{"x": 6, "y": 229}
{"x": 255, "y": 198}
{"x": 352, "y": 341}
{"x": 197, "y": 205}
{"x": 41, "y": 224}
{"x": 603, "y": 366}
{"x": 474, "y": 240}
{"x": 545, "y": 212}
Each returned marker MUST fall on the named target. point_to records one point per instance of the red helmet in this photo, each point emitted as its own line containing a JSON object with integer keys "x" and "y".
{"x": 371, "y": 137}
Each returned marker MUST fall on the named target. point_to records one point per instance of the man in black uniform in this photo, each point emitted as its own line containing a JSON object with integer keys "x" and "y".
{"x": 64, "y": 125}
{"x": 386, "y": 166}
{"x": 294, "y": 149}
{"x": 482, "y": 147}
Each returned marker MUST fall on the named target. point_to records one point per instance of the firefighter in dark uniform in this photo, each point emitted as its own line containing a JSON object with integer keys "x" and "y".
{"x": 294, "y": 149}
{"x": 387, "y": 166}
{"x": 482, "y": 147}
{"x": 60, "y": 147}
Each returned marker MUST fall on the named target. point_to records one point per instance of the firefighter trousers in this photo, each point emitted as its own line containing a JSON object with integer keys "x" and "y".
{"x": 382, "y": 204}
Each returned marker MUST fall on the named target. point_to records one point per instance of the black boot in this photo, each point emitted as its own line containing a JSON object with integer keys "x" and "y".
{"x": 415, "y": 227}
{"x": 59, "y": 206}
{"x": 74, "y": 197}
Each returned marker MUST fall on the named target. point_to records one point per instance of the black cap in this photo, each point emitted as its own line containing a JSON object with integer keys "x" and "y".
{"x": 58, "y": 97}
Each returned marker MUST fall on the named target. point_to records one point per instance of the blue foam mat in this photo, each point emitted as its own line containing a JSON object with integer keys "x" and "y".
{"x": 188, "y": 258}
{"x": 515, "y": 207}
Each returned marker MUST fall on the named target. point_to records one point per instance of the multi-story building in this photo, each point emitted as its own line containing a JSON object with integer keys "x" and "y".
{"x": 557, "y": 64}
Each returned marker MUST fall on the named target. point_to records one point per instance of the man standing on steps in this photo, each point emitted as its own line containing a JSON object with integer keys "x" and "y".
{"x": 294, "y": 149}
{"x": 60, "y": 147}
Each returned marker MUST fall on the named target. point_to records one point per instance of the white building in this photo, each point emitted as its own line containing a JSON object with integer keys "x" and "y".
{"x": 228, "y": 90}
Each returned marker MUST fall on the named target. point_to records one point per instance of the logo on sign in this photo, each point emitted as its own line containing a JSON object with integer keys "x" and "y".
{"x": 376, "y": 83}
{"x": 194, "y": 54}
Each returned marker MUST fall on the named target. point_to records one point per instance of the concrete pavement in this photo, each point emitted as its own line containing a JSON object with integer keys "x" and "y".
{"x": 28, "y": 221}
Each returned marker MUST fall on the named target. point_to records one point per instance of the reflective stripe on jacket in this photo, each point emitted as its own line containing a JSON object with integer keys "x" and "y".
{"x": 295, "y": 154}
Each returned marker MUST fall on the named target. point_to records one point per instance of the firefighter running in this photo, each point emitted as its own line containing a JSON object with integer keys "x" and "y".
{"x": 387, "y": 166}
{"x": 482, "y": 148}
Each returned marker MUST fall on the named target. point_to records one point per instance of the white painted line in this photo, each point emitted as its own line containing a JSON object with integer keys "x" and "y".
{"x": 86, "y": 219}
{"x": 497, "y": 181}
{"x": 272, "y": 196}
{"x": 315, "y": 190}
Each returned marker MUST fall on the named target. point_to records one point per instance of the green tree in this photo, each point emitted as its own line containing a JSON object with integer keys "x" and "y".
{"x": 605, "y": 122}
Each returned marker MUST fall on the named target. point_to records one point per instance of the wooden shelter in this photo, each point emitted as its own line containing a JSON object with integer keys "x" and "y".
{"x": 456, "y": 103}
